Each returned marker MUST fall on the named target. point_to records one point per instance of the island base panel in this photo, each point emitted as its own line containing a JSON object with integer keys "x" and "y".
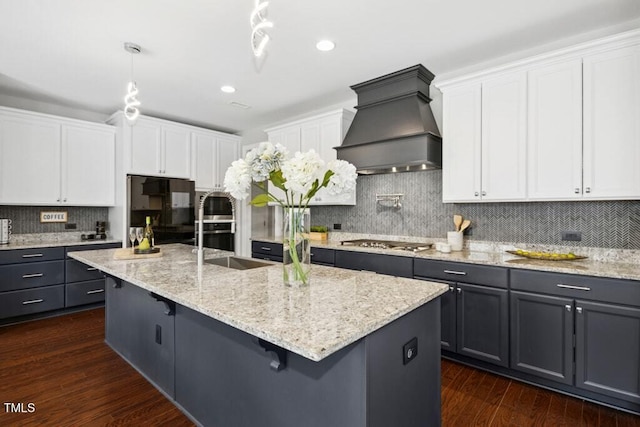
{"x": 223, "y": 377}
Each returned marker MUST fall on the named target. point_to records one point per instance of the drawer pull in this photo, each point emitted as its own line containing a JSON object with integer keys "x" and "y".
{"x": 577, "y": 288}
{"x": 95, "y": 291}
{"x": 265, "y": 249}
{"x": 30, "y": 276}
{"x": 32, "y": 256}
{"x": 91, "y": 269}
{"x": 33, "y": 301}
{"x": 459, "y": 273}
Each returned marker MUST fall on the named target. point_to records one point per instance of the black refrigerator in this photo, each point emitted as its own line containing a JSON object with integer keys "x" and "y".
{"x": 169, "y": 202}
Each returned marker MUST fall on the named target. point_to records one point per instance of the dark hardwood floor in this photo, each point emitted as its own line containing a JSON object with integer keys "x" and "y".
{"x": 63, "y": 367}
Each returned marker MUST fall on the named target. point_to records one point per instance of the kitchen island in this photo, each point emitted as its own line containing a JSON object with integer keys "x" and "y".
{"x": 237, "y": 347}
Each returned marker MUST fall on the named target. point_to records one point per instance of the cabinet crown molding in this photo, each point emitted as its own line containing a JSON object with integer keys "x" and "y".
{"x": 616, "y": 41}
{"x": 347, "y": 114}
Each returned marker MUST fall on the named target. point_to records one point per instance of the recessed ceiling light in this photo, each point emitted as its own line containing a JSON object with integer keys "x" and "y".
{"x": 325, "y": 45}
{"x": 228, "y": 89}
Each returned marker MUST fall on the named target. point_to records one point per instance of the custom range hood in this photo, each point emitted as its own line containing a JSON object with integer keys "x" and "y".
{"x": 393, "y": 129}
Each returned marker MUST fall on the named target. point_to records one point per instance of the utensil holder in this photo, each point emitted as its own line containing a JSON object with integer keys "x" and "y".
{"x": 454, "y": 238}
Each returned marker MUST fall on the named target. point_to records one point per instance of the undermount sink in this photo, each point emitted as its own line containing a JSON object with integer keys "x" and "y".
{"x": 238, "y": 263}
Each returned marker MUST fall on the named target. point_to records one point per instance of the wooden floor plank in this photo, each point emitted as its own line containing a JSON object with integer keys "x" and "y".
{"x": 63, "y": 366}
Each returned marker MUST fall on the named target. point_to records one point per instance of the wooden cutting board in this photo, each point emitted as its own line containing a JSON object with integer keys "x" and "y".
{"x": 127, "y": 253}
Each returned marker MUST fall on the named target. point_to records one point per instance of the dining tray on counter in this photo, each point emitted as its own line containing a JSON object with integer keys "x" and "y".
{"x": 547, "y": 256}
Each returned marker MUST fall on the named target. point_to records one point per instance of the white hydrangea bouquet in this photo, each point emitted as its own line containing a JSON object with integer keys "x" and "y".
{"x": 300, "y": 177}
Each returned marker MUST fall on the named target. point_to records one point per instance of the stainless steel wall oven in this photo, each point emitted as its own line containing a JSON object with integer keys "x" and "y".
{"x": 217, "y": 226}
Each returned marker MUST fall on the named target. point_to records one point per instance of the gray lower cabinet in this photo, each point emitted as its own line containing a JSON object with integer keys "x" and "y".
{"x": 559, "y": 333}
{"x": 542, "y": 335}
{"x": 84, "y": 284}
{"x": 323, "y": 256}
{"x": 482, "y": 321}
{"x": 141, "y": 329}
{"x": 475, "y": 311}
{"x": 608, "y": 349}
{"x": 31, "y": 281}
{"x": 393, "y": 265}
{"x": 271, "y": 251}
{"x": 266, "y": 250}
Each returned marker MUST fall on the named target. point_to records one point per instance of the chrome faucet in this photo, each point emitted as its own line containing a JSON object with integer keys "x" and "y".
{"x": 218, "y": 192}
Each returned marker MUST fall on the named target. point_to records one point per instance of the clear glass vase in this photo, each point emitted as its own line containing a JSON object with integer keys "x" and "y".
{"x": 296, "y": 251}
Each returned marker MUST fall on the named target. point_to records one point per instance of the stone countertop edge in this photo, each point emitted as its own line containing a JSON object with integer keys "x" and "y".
{"x": 338, "y": 308}
{"x": 493, "y": 254}
{"x": 36, "y": 243}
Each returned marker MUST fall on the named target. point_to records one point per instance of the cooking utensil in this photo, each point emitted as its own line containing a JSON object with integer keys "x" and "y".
{"x": 457, "y": 220}
{"x": 465, "y": 224}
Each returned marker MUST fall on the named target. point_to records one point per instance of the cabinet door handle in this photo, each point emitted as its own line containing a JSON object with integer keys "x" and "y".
{"x": 33, "y": 301}
{"x": 459, "y": 290}
{"x": 576, "y": 190}
{"x": 91, "y": 269}
{"x": 451, "y": 289}
{"x": 32, "y": 275}
{"x": 476, "y": 194}
{"x": 579, "y": 310}
{"x": 265, "y": 249}
{"x": 95, "y": 291}
{"x": 577, "y": 288}
{"x": 568, "y": 307}
{"x": 458, "y": 273}
{"x": 484, "y": 193}
{"x": 587, "y": 190}
{"x": 32, "y": 256}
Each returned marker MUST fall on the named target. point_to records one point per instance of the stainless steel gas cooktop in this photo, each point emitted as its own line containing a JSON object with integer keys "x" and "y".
{"x": 388, "y": 244}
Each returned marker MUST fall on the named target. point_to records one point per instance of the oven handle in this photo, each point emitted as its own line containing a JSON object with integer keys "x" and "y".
{"x": 218, "y": 232}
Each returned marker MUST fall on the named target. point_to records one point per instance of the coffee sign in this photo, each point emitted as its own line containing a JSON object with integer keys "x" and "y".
{"x": 53, "y": 217}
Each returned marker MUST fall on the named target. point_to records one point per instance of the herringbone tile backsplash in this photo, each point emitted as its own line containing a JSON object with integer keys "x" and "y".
{"x": 610, "y": 224}
{"x": 26, "y": 219}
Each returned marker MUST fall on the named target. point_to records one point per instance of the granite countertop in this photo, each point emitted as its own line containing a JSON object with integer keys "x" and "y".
{"x": 49, "y": 240}
{"x": 600, "y": 262}
{"x": 338, "y": 307}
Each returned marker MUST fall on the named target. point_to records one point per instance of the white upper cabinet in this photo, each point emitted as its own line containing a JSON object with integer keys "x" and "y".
{"x": 159, "y": 148}
{"x": 554, "y": 157}
{"x": 213, "y": 154}
{"x": 504, "y": 138}
{"x": 48, "y": 160}
{"x": 560, "y": 126}
{"x": 30, "y": 160}
{"x": 612, "y": 124}
{"x": 321, "y": 133}
{"x": 88, "y": 165}
{"x": 461, "y": 159}
{"x": 485, "y": 140}
{"x": 228, "y": 150}
{"x": 175, "y": 154}
{"x": 204, "y": 152}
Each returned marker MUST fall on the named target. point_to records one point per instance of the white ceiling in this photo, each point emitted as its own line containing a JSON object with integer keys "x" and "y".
{"x": 70, "y": 52}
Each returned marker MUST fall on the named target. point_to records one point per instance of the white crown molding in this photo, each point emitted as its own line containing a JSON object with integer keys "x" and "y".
{"x": 624, "y": 39}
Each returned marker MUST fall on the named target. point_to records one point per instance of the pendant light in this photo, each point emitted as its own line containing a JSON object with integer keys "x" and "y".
{"x": 131, "y": 103}
{"x": 259, "y": 23}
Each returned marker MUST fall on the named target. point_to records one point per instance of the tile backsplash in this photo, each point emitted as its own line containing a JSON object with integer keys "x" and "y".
{"x": 606, "y": 224}
{"x": 26, "y": 219}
